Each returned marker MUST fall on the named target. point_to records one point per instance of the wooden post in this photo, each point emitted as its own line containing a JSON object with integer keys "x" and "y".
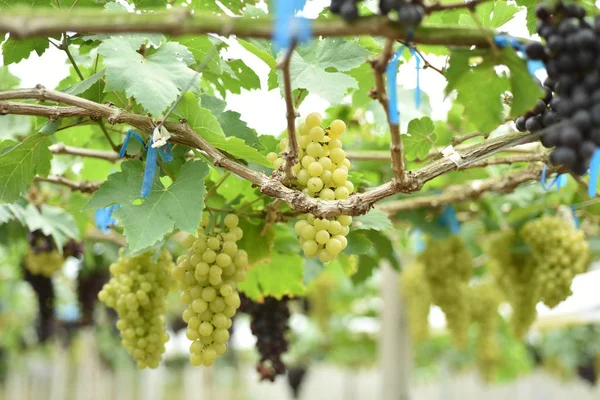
{"x": 395, "y": 351}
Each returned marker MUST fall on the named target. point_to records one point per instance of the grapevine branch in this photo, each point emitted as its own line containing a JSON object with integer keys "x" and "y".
{"x": 61, "y": 148}
{"x": 291, "y": 154}
{"x": 25, "y": 22}
{"x": 183, "y": 134}
{"x": 84, "y": 187}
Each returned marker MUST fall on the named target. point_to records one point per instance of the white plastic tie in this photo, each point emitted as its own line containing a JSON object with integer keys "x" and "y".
{"x": 450, "y": 153}
{"x": 160, "y": 137}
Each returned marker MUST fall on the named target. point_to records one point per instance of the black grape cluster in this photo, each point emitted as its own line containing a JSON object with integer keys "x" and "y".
{"x": 43, "y": 257}
{"x": 542, "y": 115}
{"x": 448, "y": 268}
{"x": 208, "y": 274}
{"x": 44, "y": 291}
{"x": 484, "y": 300}
{"x": 408, "y": 12}
{"x": 517, "y": 275}
{"x": 417, "y": 295}
{"x": 269, "y": 323}
{"x": 137, "y": 291}
{"x": 560, "y": 251}
{"x": 572, "y": 58}
{"x": 321, "y": 173}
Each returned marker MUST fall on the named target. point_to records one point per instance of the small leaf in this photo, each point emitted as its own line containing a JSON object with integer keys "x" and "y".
{"x": 358, "y": 243}
{"x": 252, "y": 232}
{"x": 204, "y": 51}
{"x": 374, "y": 219}
{"x": 20, "y": 164}
{"x": 283, "y": 275}
{"x": 84, "y": 85}
{"x": 526, "y": 91}
{"x": 421, "y": 138}
{"x": 366, "y": 265}
{"x": 15, "y": 50}
{"x": 384, "y": 248}
{"x": 52, "y": 221}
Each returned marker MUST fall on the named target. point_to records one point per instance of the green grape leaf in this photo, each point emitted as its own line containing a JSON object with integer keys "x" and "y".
{"x": 384, "y": 248}
{"x": 531, "y": 17}
{"x": 52, "y": 221}
{"x": 207, "y": 125}
{"x": 526, "y": 91}
{"x": 421, "y": 139}
{"x": 204, "y": 50}
{"x": 235, "y": 6}
{"x": 230, "y": 121}
{"x": 7, "y": 80}
{"x": 348, "y": 263}
{"x": 492, "y": 14}
{"x": 374, "y": 219}
{"x": 366, "y": 265}
{"x": 260, "y": 48}
{"x": 310, "y": 70}
{"x": 83, "y": 86}
{"x": 358, "y": 243}
{"x": 15, "y": 50}
{"x": 137, "y": 75}
{"x": 20, "y": 164}
{"x": 180, "y": 205}
{"x": 283, "y": 275}
{"x": 257, "y": 255}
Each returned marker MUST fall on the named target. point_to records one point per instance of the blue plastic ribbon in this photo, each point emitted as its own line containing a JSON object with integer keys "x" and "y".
{"x": 594, "y": 171}
{"x": 575, "y": 218}
{"x": 449, "y": 219}
{"x": 559, "y": 181}
{"x": 532, "y": 65}
{"x": 128, "y": 136}
{"x": 392, "y": 74}
{"x": 414, "y": 53}
{"x": 150, "y": 170}
{"x": 288, "y": 27}
{"x": 165, "y": 153}
{"x": 103, "y": 218}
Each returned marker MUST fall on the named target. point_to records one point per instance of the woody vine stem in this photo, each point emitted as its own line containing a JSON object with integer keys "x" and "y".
{"x": 27, "y": 23}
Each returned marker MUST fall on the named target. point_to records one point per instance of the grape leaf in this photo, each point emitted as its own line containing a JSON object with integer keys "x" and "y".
{"x": 374, "y": 219}
{"x": 526, "y": 91}
{"x": 204, "y": 50}
{"x": 492, "y": 14}
{"x": 421, "y": 138}
{"x": 20, "y": 164}
{"x": 260, "y": 48}
{"x": 257, "y": 255}
{"x": 7, "y": 80}
{"x": 366, "y": 265}
{"x": 155, "y": 81}
{"x": 206, "y": 125}
{"x": 180, "y": 205}
{"x": 230, "y": 121}
{"x": 15, "y": 50}
{"x": 383, "y": 247}
{"x": 310, "y": 70}
{"x": 52, "y": 221}
{"x": 81, "y": 87}
{"x": 357, "y": 243}
{"x": 282, "y": 276}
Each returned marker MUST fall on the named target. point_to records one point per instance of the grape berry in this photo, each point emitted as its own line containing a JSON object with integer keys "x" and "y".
{"x": 409, "y": 13}
{"x": 417, "y": 296}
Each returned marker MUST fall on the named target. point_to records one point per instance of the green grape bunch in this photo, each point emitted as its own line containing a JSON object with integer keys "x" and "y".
{"x": 484, "y": 300}
{"x": 448, "y": 268}
{"x": 517, "y": 275}
{"x": 417, "y": 296}
{"x": 208, "y": 274}
{"x": 138, "y": 291}
{"x": 44, "y": 263}
{"x": 321, "y": 173}
{"x": 560, "y": 251}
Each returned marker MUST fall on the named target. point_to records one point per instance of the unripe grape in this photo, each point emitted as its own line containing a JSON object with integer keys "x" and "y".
{"x": 333, "y": 246}
{"x": 315, "y": 169}
{"x": 314, "y": 150}
{"x": 327, "y": 194}
{"x": 316, "y": 134}
{"x": 308, "y": 232}
{"x": 283, "y": 144}
{"x": 313, "y": 119}
{"x": 307, "y": 160}
{"x": 303, "y": 129}
{"x": 337, "y": 155}
{"x": 326, "y": 163}
{"x": 336, "y": 128}
{"x": 322, "y": 237}
{"x": 342, "y": 193}
{"x": 310, "y": 248}
{"x": 231, "y": 221}
{"x": 303, "y": 176}
{"x": 314, "y": 184}
{"x": 303, "y": 141}
{"x": 272, "y": 157}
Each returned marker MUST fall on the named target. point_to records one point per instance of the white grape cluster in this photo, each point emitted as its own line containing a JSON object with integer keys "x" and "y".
{"x": 321, "y": 173}
{"x": 137, "y": 291}
{"x": 44, "y": 263}
{"x": 208, "y": 274}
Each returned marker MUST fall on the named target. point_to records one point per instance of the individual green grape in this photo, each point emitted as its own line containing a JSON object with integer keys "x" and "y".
{"x": 336, "y": 129}
{"x": 417, "y": 296}
{"x": 137, "y": 291}
{"x": 212, "y": 288}
{"x": 448, "y": 268}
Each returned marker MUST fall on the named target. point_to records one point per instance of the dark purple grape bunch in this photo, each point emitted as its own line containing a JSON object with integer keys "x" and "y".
{"x": 269, "y": 324}
{"x": 73, "y": 249}
{"x": 572, "y": 57}
{"x": 39, "y": 242}
{"x": 409, "y": 13}
{"x": 542, "y": 115}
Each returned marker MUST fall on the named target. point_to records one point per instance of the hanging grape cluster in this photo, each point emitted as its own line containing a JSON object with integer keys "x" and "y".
{"x": 483, "y": 300}
{"x": 542, "y": 115}
{"x": 208, "y": 274}
{"x": 269, "y": 323}
{"x": 417, "y": 295}
{"x": 448, "y": 268}
{"x": 517, "y": 276}
{"x": 409, "y": 13}
{"x": 44, "y": 291}
{"x": 137, "y": 291}
{"x": 560, "y": 251}
{"x": 572, "y": 57}
{"x": 319, "y": 293}
{"x": 43, "y": 257}
{"x": 321, "y": 173}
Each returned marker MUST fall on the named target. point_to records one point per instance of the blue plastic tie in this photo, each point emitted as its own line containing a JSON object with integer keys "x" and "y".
{"x": 594, "y": 170}
{"x": 561, "y": 181}
{"x": 103, "y": 217}
{"x": 449, "y": 219}
{"x": 532, "y": 65}
{"x": 535, "y": 65}
{"x": 128, "y": 136}
{"x": 288, "y": 27}
{"x": 150, "y": 170}
{"x": 575, "y": 218}
{"x": 414, "y": 53}
{"x": 558, "y": 182}
{"x": 392, "y": 74}
{"x": 165, "y": 153}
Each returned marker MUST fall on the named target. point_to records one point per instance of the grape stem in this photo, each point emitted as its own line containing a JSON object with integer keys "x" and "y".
{"x": 471, "y": 4}
{"x": 291, "y": 153}
{"x": 183, "y": 134}
{"x": 61, "y": 148}
{"x": 84, "y": 186}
